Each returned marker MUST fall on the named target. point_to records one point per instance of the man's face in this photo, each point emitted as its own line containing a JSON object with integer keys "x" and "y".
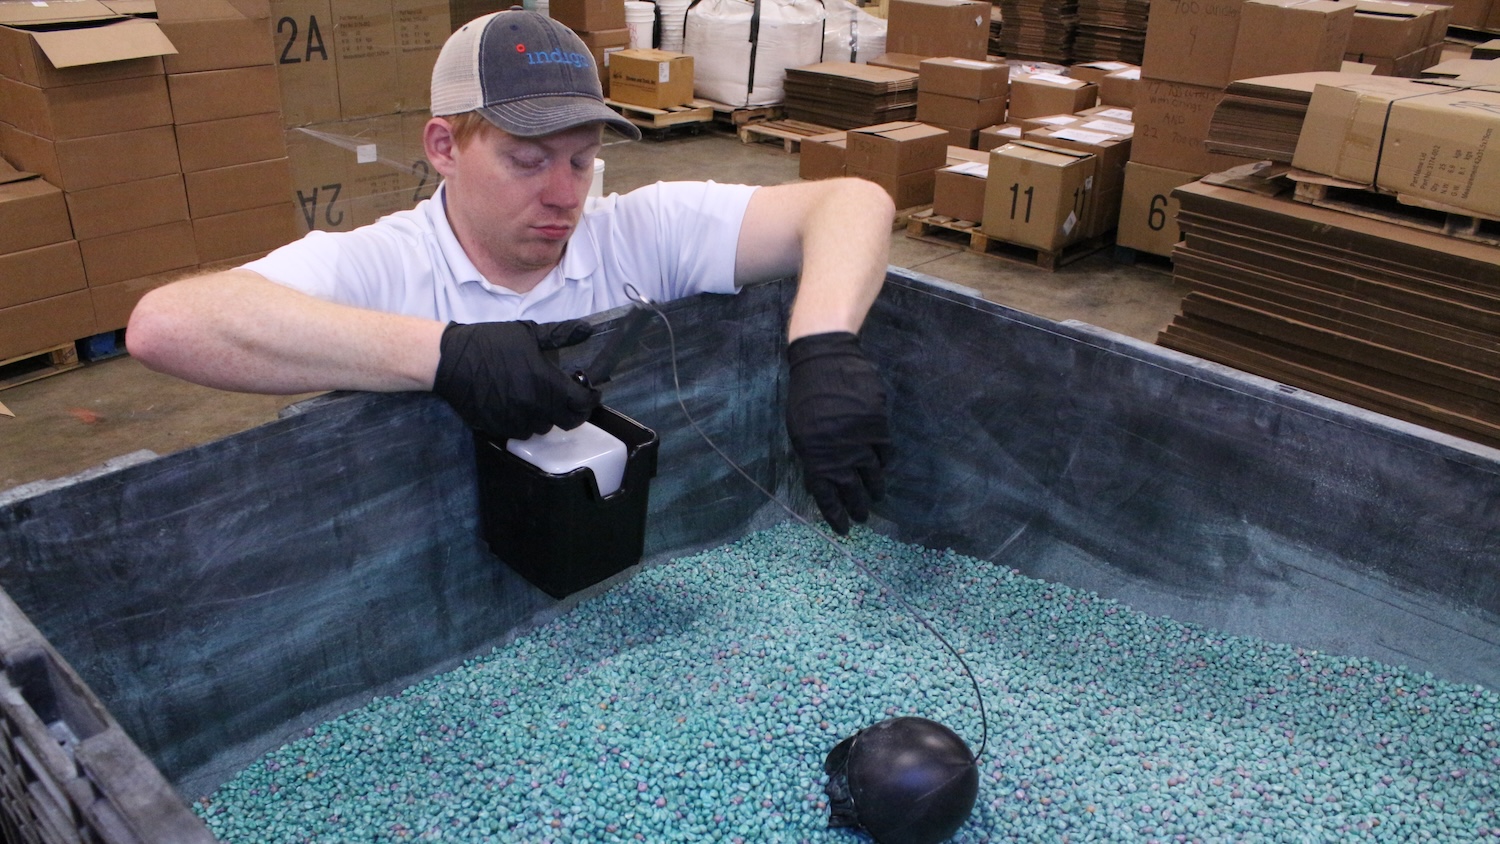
{"x": 517, "y": 200}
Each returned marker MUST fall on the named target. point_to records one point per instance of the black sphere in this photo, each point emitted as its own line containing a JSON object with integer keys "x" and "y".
{"x": 903, "y": 780}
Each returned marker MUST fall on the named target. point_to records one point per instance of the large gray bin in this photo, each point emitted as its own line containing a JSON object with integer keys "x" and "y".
{"x": 218, "y": 601}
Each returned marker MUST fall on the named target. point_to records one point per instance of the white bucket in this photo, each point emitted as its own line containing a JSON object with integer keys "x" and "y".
{"x": 640, "y": 19}
{"x": 597, "y": 188}
{"x": 543, "y": 8}
{"x": 673, "y": 19}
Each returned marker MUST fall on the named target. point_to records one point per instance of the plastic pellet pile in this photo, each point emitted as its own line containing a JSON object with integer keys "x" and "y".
{"x": 697, "y": 701}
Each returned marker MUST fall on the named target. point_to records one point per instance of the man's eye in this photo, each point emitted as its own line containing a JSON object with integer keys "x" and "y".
{"x": 528, "y": 163}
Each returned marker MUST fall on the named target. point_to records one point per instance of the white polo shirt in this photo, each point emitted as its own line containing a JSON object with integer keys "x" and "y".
{"x": 669, "y": 240}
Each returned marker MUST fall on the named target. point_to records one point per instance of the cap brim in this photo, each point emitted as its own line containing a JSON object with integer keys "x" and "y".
{"x": 535, "y": 116}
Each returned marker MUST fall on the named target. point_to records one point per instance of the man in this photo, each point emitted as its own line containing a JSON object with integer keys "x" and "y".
{"x": 462, "y": 294}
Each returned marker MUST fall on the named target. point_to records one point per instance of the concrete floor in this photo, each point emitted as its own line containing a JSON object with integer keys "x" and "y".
{"x": 81, "y": 418}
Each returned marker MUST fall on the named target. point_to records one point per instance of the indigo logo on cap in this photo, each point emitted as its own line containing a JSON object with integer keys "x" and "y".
{"x": 554, "y": 57}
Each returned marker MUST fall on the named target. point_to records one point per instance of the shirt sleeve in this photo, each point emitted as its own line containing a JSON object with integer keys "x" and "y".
{"x": 690, "y": 231}
{"x": 365, "y": 268}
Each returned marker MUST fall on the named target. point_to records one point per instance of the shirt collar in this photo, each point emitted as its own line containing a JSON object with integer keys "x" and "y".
{"x": 579, "y": 261}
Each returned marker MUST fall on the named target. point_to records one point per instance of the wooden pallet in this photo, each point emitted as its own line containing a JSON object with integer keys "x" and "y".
{"x": 692, "y": 115}
{"x": 737, "y": 116}
{"x": 1133, "y": 257}
{"x": 948, "y": 231}
{"x": 1390, "y": 209}
{"x": 789, "y": 132}
{"x": 24, "y": 369}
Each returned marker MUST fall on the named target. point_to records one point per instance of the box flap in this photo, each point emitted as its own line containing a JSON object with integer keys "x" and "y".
{"x": 10, "y": 174}
{"x": 144, "y": 8}
{"x": 26, "y": 12}
{"x": 132, "y": 38}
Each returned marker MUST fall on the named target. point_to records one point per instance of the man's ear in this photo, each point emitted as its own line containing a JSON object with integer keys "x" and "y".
{"x": 438, "y": 142}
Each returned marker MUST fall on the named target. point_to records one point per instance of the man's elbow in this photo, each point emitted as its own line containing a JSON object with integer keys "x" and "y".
{"x": 150, "y": 330}
{"x": 862, "y": 193}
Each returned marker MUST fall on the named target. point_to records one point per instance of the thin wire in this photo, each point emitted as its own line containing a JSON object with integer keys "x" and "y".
{"x": 858, "y": 563}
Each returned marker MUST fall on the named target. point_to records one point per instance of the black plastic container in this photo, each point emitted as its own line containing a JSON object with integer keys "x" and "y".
{"x": 556, "y": 530}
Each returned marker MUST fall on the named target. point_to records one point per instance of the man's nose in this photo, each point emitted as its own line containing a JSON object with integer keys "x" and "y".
{"x": 563, "y": 188}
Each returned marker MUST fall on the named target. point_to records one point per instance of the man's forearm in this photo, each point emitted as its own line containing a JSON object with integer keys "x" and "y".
{"x": 238, "y": 331}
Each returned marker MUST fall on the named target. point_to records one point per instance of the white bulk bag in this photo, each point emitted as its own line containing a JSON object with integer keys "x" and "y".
{"x": 741, "y": 68}
{"x": 851, "y": 34}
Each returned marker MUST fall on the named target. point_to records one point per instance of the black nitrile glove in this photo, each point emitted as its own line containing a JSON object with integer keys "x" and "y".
{"x": 837, "y": 420}
{"x": 496, "y": 377}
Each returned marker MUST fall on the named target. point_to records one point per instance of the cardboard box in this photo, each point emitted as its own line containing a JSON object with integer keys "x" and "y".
{"x": 239, "y": 234}
{"x": 907, "y": 190}
{"x": 998, "y": 136}
{"x": 602, "y": 45}
{"x": 96, "y": 161}
{"x": 1472, "y": 14}
{"x": 1148, "y": 211}
{"x": 909, "y": 62}
{"x": 1389, "y": 28}
{"x": 970, "y": 79}
{"x": 1171, "y": 124}
{"x": 1341, "y": 134}
{"x": 1119, "y": 114}
{"x": 32, "y": 213}
{"x": 1037, "y": 195}
{"x": 365, "y": 50}
{"x": 220, "y": 94}
{"x": 1038, "y": 94}
{"x": 143, "y": 252}
{"x": 588, "y": 15}
{"x": 958, "y": 191}
{"x": 216, "y": 34}
{"x": 1096, "y": 71}
{"x": 1047, "y": 121}
{"x": 1107, "y": 125}
{"x": 238, "y": 187}
{"x": 946, "y": 28}
{"x": 320, "y": 170}
{"x": 1112, "y": 152}
{"x": 1118, "y": 89}
{"x": 113, "y": 209}
{"x": 897, "y": 148}
{"x": 652, "y": 78}
{"x": 40, "y": 273}
{"x": 822, "y": 156}
{"x": 1290, "y": 36}
{"x": 948, "y": 111}
{"x": 960, "y": 137}
{"x": 1192, "y": 43}
{"x": 352, "y": 172}
{"x": 1434, "y": 150}
{"x": 45, "y": 323}
{"x": 71, "y": 53}
{"x": 421, "y": 28}
{"x": 113, "y": 303}
{"x": 305, "y": 68}
{"x": 75, "y": 111}
{"x": 233, "y": 140}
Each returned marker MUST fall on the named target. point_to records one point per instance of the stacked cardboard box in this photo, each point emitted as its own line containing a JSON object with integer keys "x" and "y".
{"x": 1388, "y": 317}
{"x": 846, "y": 95}
{"x": 962, "y": 96}
{"x": 822, "y": 156}
{"x": 355, "y": 79}
{"x": 931, "y": 28}
{"x": 1038, "y": 30}
{"x": 44, "y": 297}
{"x": 1038, "y": 195}
{"x": 1039, "y": 94}
{"x": 226, "y": 108}
{"x": 1111, "y": 30}
{"x": 902, "y": 157}
{"x": 601, "y": 25}
{"x": 1398, "y": 38}
{"x": 84, "y": 101}
{"x": 1109, "y": 141}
